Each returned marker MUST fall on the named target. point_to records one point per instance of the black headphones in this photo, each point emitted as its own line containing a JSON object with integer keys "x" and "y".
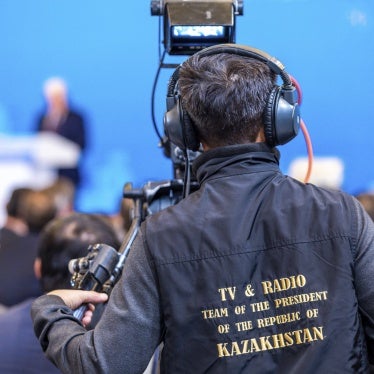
{"x": 281, "y": 115}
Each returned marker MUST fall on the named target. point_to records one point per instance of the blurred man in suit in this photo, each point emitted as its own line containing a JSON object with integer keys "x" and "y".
{"x": 60, "y": 118}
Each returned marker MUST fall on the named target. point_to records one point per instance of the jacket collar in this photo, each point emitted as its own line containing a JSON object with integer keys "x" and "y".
{"x": 242, "y": 158}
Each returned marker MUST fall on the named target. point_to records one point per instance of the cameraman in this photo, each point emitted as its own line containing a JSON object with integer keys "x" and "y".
{"x": 254, "y": 272}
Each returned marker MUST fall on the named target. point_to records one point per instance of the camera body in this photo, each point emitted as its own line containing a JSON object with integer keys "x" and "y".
{"x": 189, "y": 26}
{"x": 102, "y": 267}
{"x": 97, "y": 271}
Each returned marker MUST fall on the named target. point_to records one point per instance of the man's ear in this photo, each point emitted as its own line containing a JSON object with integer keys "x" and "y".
{"x": 204, "y": 147}
{"x": 260, "y": 137}
{"x": 38, "y": 268}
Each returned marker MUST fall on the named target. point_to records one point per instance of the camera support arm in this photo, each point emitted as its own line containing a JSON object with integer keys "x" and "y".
{"x": 102, "y": 267}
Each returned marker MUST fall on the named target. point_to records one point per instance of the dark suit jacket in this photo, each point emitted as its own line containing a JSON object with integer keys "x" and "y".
{"x": 72, "y": 127}
{"x": 20, "y": 351}
{"x": 17, "y": 279}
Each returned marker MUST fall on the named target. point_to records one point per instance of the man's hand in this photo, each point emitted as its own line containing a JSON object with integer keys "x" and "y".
{"x": 75, "y": 298}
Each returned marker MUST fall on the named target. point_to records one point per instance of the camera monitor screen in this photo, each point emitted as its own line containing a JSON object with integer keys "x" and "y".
{"x": 198, "y": 31}
{"x": 189, "y": 39}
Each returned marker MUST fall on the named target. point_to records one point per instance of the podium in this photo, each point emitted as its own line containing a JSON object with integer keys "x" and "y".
{"x": 31, "y": 161}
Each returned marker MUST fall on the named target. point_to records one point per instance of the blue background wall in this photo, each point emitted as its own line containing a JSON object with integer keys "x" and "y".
{"x": 109, "y": 51}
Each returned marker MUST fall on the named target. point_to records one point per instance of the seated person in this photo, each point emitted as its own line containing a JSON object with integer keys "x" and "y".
{"x": 18, "y": 247}
{"x": 65, "y": 238}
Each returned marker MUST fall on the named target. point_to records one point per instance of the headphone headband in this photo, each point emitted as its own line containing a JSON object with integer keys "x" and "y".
{"x": 281, "y": 114}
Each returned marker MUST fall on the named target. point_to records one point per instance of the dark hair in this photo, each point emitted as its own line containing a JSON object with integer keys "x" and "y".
{"x": 225, "y": 96}
{"x": 66, "y": 238}
{"x": 16, "y": 201}
{"x": 37, "y": 210}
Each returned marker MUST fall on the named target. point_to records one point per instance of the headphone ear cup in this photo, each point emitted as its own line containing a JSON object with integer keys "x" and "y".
{"x": 179, "y": 128}
{"x": 189, "y": 133}
{"x": 281, "y": 117}
{"x": 268, "y": 117}
{"x": 173, "y": 126}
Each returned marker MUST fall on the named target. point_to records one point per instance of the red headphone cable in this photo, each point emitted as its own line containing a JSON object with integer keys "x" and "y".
{"x": 304, "y": 129}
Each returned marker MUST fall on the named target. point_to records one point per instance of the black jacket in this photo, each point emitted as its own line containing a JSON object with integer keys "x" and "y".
{"x": 256, "y": 272}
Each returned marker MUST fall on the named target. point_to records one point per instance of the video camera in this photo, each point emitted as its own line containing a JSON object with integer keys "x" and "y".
{"x": 188, "y": 27}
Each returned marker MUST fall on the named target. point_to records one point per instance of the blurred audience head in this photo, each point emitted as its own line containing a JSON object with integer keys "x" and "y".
{"x": 122, "y": 220}
{"x": 367, "y": 201}
{"x": 62, "y": 191}
{"x": 37, "y": 210}
{"x": 15, "y": 220}
{"x": 15, "y": 201}
{"x": 66, "y": 238}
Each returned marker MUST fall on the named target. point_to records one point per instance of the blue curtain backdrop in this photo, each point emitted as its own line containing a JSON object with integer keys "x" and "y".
{"x": 109, "y": 52}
